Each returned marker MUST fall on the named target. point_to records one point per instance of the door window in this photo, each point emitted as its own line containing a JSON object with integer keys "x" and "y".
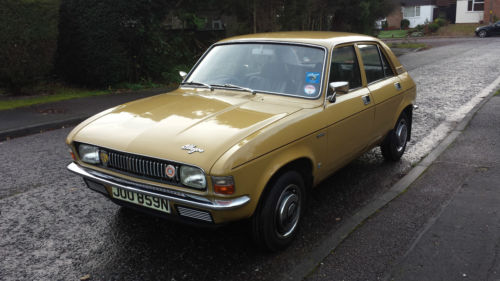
{"x": 345, "y": 67}
{"x": 376, "y": 65}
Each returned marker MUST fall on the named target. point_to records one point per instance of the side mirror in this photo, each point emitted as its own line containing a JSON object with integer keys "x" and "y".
{"x": 341, "y": 87}
{"x": 183, "y": 74}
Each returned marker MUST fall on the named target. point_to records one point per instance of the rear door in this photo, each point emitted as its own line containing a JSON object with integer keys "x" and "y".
{"x": 384, "y": 86}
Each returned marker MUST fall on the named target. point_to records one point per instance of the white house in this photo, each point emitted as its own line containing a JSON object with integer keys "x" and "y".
{"x": 470, "y": 11}
{"x": 419, "y": 12}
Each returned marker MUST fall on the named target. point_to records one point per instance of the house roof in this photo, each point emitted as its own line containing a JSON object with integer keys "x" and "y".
{"x": 417, "y": 2}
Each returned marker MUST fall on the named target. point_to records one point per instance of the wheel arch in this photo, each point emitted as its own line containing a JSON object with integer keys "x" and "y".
{"x": 406, "y": 107}
{"x": 303, "y": 165}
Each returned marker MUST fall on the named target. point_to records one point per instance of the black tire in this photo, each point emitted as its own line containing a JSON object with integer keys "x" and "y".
{"x": 275, "y": 222}
{"x": 394, "y": 144}
{"x": 482, "y": 34}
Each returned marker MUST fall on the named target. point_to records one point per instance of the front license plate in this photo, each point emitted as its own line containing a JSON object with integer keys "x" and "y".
{"x": 147, "y": 201}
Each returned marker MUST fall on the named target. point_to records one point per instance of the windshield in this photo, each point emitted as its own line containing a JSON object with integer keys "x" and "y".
{"x": 294, "y": 70}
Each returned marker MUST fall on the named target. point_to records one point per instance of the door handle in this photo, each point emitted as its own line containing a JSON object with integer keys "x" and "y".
{"x": 366, "y": 99}
{"x": 397, "y": 85}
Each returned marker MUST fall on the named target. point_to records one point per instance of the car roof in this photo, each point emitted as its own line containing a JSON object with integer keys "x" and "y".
{"x": 322, "y": 38}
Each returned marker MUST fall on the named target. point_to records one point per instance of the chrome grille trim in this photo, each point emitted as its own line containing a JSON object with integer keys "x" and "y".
{"x": 148, "y": 168}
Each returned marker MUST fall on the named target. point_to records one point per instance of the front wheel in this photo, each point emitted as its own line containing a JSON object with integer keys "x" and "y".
{"x": 482, "y": 33}
{"x": 276, "y": 220}
{"x": 395, "y": 142}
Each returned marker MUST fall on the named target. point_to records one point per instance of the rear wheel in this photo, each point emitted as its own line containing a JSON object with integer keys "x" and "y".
{"x": 395, "y": 142}
{"x": 275, "y": 222}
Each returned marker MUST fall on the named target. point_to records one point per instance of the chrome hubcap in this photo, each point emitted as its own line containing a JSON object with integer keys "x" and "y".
{"x": 401, "y": 135}
{"x": 288, "y": 211}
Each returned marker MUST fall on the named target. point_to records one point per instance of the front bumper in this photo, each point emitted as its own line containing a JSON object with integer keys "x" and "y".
{"x": 177, "y": 198}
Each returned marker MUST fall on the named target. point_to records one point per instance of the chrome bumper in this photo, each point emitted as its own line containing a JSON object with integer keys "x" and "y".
{"x": 189, "y": 200}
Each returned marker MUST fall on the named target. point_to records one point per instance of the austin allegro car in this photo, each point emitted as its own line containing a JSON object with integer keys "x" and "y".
{"x": 257, "y": 123}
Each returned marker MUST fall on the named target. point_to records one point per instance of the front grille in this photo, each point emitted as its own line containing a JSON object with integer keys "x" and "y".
{"x": 145, "y": 167}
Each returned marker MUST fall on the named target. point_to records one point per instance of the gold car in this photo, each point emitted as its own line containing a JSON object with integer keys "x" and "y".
{"x": 258, "y": 122}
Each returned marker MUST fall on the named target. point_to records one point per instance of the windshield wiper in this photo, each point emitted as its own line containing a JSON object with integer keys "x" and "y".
{"x": 236, "y": 87}
{"x": 198, "y": 84}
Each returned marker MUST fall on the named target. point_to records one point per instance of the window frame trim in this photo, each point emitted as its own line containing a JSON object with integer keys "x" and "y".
{"x": 474, "y": 2}
{"x": 381, "y": 64}
{"x": 271, "y": 42}
{"x": 414, "y": 12}
{"x": 357, "y": 54}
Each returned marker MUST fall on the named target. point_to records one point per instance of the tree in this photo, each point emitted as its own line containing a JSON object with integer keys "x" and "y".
{"x": 360, "y": 15}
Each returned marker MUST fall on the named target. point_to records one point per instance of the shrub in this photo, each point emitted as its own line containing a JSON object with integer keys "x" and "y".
{"x": 440, "y": 21}
{"x": 405, "y": 23}
{"x": 385, "y": 25}
{"x": 28, "y": 36}
{"x": 420, "y": 28}
{"x": 433, "y": 27}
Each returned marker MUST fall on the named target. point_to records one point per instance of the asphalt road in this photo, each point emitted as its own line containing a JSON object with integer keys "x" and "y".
{"x": 52, "y": 228}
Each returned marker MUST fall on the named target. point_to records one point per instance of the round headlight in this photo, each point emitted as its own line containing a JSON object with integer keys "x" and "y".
{"x": 193, "y": 177}
{"x": 89, "y": 153}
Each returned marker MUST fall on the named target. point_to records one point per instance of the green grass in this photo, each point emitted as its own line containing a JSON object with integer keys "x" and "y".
{"x": 393, "y": 34}
{"x": 459, "y": 29}
{"x": 407, "y": 45}
{"x": 497, "y": 93}
{"x": 58, "y": 94}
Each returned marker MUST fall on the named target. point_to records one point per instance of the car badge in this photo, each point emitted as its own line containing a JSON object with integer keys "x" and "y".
{"x": 191, "y": 148}
{"x": 170, "y": 171}
{"x": 104, "y": 157}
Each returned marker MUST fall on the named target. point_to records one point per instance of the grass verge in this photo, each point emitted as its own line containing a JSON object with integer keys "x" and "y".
{"x": 392, "y": 34}
{"x": 497, "y": 93}
{"x": 58, "y": 94}
{"x": 407, "y": 45}
{"x": 459, "y": 29}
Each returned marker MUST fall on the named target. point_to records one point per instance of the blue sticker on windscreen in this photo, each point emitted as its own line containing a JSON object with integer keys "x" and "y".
{"x": 313, "y": 77}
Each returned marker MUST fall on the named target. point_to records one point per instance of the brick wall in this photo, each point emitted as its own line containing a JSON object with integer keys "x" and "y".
{"x": 395, "y": 17}
{"x": 494, "y": 7}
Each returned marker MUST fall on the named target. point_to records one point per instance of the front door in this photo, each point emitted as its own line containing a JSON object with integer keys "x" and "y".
{"x": 351, "y": 116}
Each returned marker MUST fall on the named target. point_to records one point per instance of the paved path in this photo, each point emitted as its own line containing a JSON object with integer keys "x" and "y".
{"x": 445, "y": 227}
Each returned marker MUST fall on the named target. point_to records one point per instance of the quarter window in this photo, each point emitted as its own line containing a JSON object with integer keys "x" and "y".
{"x": 345, "y": 67}
{"x": 475, "y": 5}
{"x": 387, "y": 67}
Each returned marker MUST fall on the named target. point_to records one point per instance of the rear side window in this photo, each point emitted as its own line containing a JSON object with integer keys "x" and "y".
{"x": 345, "y": 67}
{"x": 372, "y": 63}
